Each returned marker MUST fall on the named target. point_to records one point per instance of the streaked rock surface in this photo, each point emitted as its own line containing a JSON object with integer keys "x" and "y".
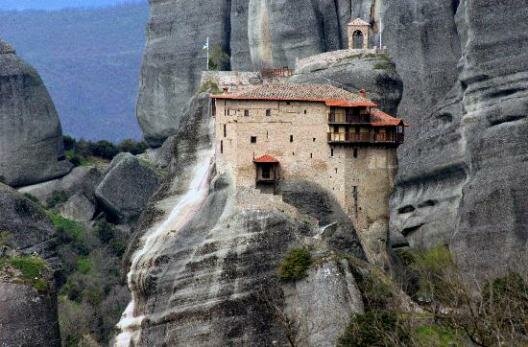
{"x": 31, "y": 148}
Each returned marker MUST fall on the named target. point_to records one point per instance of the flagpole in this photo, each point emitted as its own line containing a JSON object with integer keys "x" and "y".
{"x": 381, "y": 31}
{"x": 207, "y": 62}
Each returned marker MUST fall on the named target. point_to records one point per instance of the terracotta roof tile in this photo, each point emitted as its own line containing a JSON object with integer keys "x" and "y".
{"x": 330, "y": 95}
{"x": 380, "y": 118}
{"x": 266, "y": 159}
{"x": 358, "y": 22}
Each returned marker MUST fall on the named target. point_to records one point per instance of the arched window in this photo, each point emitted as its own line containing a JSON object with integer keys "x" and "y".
{"x": 358, "y": 39}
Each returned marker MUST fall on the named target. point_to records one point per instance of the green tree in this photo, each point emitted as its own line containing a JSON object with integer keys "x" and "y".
{"x": 218, "y": 58}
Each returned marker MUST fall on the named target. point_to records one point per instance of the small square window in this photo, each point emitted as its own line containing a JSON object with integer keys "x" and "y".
{"x": 253, "y": 139}
{"x": 305, "y": 111}
{"x": 268, "y": 112}
{"x": 288, "y": 103}
{"x": 291, "y": 138}
{"x": 314, "y": 139}
{"x": 246, "y": 113}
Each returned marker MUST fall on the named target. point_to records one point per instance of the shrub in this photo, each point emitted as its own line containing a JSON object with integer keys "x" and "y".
{"x": 210, "y": 85}
{"x": 104, "y": 149}
{"x": 218, "y": 58}
{"x": 5, "y": 238}
{"x": 376, "y": 328}
{"x": 295, "y": 265}
{"x": 84, "y": 265}
{"x": 132, "y": 146}
{"x": 69, "y": 142}
{"x": 105, "y": 231}
{"x": 57, "y": 198}
{"x": 376, "y": 294}
{"x": 32, "y": 198}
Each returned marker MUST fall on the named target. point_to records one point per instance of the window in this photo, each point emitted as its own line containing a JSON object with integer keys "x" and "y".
{"x": 221, "y": 146}
{"x": 331, "y": 152}
{"x": 268, "y": 112}
{"x": 288, "y": 103}
{"x": 225, "y": 130}
{"x": 266, "y": 172}
{"x": 291, "y": 138}
{"x": 246, "y": 113}
{"x": 314, "y": 139}
{"x": 253, "y": 139}
{"x": 336, "y": 170}
{"x": 305, "y": 112}
{"x": 311, "y": 155}
{"x": 267, "y": 135}
{"x": 355, "y": 152}
{"x": 226, "y": 112}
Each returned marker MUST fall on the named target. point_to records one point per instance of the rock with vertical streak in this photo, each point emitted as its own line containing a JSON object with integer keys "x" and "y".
{"x": 31, "y": 148}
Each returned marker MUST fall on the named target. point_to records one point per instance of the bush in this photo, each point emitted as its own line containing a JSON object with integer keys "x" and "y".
{"x": 437, "y": 336}
{"x": 211, "y": 86}
{"x": 376, "y": 294}
{"x": 376, "y": 328}
{"x": 83, "y": 152}
{"x": 295, "y": 264}
{"x": 132, "y": 146}
{"x": 218, "y": 58}
{"x": 57, "y": 198}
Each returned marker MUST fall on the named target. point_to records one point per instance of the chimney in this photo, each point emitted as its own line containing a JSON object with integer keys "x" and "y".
{"x": 363, "y": 93}
{"x": 226, "y": 90}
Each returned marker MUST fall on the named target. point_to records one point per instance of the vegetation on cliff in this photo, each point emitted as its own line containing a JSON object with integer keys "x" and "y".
{"x": 451, "y": 312}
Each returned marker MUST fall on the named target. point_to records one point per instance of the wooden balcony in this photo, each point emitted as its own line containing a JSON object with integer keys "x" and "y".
{"x": 365, "y": 138}
{"x": 337, "y": 119}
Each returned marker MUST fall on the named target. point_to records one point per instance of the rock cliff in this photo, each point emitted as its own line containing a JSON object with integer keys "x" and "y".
{"x": 203, "y": 266}
{"x": 463, "y": 163}
{"x": 27, "y": 300}
{"x": 461, "y": 177}
{"x": 31, "y": 148}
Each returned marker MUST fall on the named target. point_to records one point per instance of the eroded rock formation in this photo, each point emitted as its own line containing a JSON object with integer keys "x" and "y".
{"x": 28, "y": 312}
{"x": 31, "y": 148}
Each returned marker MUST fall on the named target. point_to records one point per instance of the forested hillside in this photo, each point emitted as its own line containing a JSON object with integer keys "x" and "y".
{"x": 89, "y": 61}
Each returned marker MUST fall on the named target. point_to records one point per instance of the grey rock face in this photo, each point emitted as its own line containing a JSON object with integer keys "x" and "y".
{"x": 27, "y": 224}
{"x": 373, "y": 73}
{"x": 81, "y": 180}
{"x": 31, "y": 148}
{"x": 212, "y": 281}
{"x": 79, "y": 208}
{"x": 27, "y": 317}
{"x": 254, "y": 33}
{"x": 126, "y": 187}
{"x": 462, "y": 183}
{"x": 319, "y": 303}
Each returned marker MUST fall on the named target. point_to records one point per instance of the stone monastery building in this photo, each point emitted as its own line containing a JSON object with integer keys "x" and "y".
{"x": 316, "y": 133}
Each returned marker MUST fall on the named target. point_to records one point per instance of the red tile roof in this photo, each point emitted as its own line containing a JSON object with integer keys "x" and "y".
{"x": 325, "y": 93}
{"x": 359, "y": 22}
{"x": 266, "y": 159}
{"x": 380, "y": 118}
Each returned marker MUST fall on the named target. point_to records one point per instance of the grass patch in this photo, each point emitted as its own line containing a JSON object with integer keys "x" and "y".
{"x": 295, "y": 265}
{"x": 57, "y": 198}
{"x": 437, "y": 336}
{"x": 84, "y": 265}
{"x": 66, "y": 226}
{"x": 33, "y": 270}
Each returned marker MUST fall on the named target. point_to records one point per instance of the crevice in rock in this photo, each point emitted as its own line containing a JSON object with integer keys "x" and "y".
{"x": 411, "y": 230}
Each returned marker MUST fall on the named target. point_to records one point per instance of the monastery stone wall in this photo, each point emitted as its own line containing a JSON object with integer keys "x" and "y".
{"x": 361, "y": 178}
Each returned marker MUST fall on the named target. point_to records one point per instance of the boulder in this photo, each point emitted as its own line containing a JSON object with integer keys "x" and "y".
{"x": 27, "y": 317}
{"x": 31, "y": 148}
{"x": 26, "y": 223}
{"x": 375, "y": 73}
{"x": 28, "y": 313}
{"x": 81, "y": 180}
{"x": 79, "y": 208}
{"x": 127, "y": 187}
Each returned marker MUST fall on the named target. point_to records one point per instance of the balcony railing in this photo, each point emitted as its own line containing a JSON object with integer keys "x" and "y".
{"x": 364, "y": 138}
{"x": 348, "y": 119}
